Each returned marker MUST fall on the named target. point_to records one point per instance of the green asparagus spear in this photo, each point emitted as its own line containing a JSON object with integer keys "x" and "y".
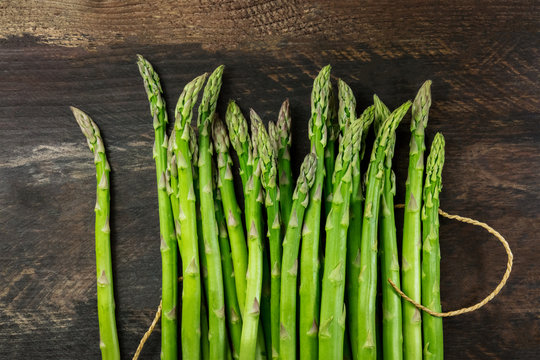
{"x": 230, "y": 207}
{"x": 347, "y": 114}
{"x": 431, "y": 253}
{"x": 269, "y": 168}
{"x": 332, "y": 127}
{"x": 216, "y": 306}
{"x": 331, "y": 334}
{"x": 242, "y": 144}
{"x": 289, "y": 270}
{"x": 234, "y": 321}
{"x": 412, "y": 232}
{"x": 254, "y": 197}
{"x": 392, "y": 336}
{"x": 283, "y": 142}
{"x": 108, "y": 336}
{"x": 185, "y": 212}
{"x": 355, "y": 237}
{"x": 204, "y": 343}
{"x": 169, "y": 257}
{"x": 309, "y": 292}
{"x": 367, "y": 280}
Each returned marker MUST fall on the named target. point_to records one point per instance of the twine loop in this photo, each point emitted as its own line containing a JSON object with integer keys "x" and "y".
{"x": 488, "y": 298}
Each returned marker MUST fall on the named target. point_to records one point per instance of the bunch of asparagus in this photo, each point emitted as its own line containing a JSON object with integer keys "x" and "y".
{"x": 286, "y": 279}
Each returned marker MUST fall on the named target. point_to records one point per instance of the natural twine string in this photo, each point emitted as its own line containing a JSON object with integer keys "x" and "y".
{"x": 148, "y": 332}
{"x": 150, "y": 329}
{"x": 487, "y": 298}
{"x": 401, "y": 293}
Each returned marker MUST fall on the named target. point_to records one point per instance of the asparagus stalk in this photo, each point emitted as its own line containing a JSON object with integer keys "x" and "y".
{"x": 234, "y": 321}
{"x": 289, "y": 270}
{"x": 233, "y": 216}
{"x": 331, "y": 334}
{"x": 269, "y": 169}
{"x": 169, "y": 257}
{"x": 412, "y": 236}
{"x": 283, "y": 142}
{"x": 216, "y": 306}
{"x": 431, "y": 253}
{"x": 392, "y": 335}
{"x": 332, "y": 127}
{"x": 108, "y": 336}
{"x": 204, "y": 343}
{"x": 309, "y": 292}
{"x": 368, "y": 252}
{"x": 253, "y": 192}
{"x": 184, "y": 149}
{"x": 242, "y": 144}
{"x": 347, "y": 114}
{"x": 355, "y": 237}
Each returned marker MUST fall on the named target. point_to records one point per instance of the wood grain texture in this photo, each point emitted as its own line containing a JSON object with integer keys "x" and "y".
{"x": 481, "y": 55}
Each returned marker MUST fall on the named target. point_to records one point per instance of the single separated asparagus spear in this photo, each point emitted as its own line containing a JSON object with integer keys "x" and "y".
{"x": 108, "y": 336}
{"x": 331, "y": 334}
{"x": 216, "y": 305}
{"x": 392, "y": 335}
{"x": 289, "y": 270}
{"x": 184, "y": 149}
{"x": 431, "y": 253}
{"x": 283, "y": 142}
{"x": 169, "y": 257}
{"x": 309, "y": 292}
{"x": 231, "y": 209}
{"x": 367, "y": 280}
{"x": 269, "y": 168}
{"x": 412, "y": 231}
{"x": 253, "y": 193}
{"x": 332, "y": 128}
{"x": 234, "y": 321}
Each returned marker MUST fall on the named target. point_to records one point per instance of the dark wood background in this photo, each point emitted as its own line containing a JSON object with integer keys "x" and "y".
{"x": 483, "y": 58}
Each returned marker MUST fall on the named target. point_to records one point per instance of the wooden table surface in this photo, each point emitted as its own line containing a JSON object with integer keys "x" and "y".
{"x": 483, "y": 58}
